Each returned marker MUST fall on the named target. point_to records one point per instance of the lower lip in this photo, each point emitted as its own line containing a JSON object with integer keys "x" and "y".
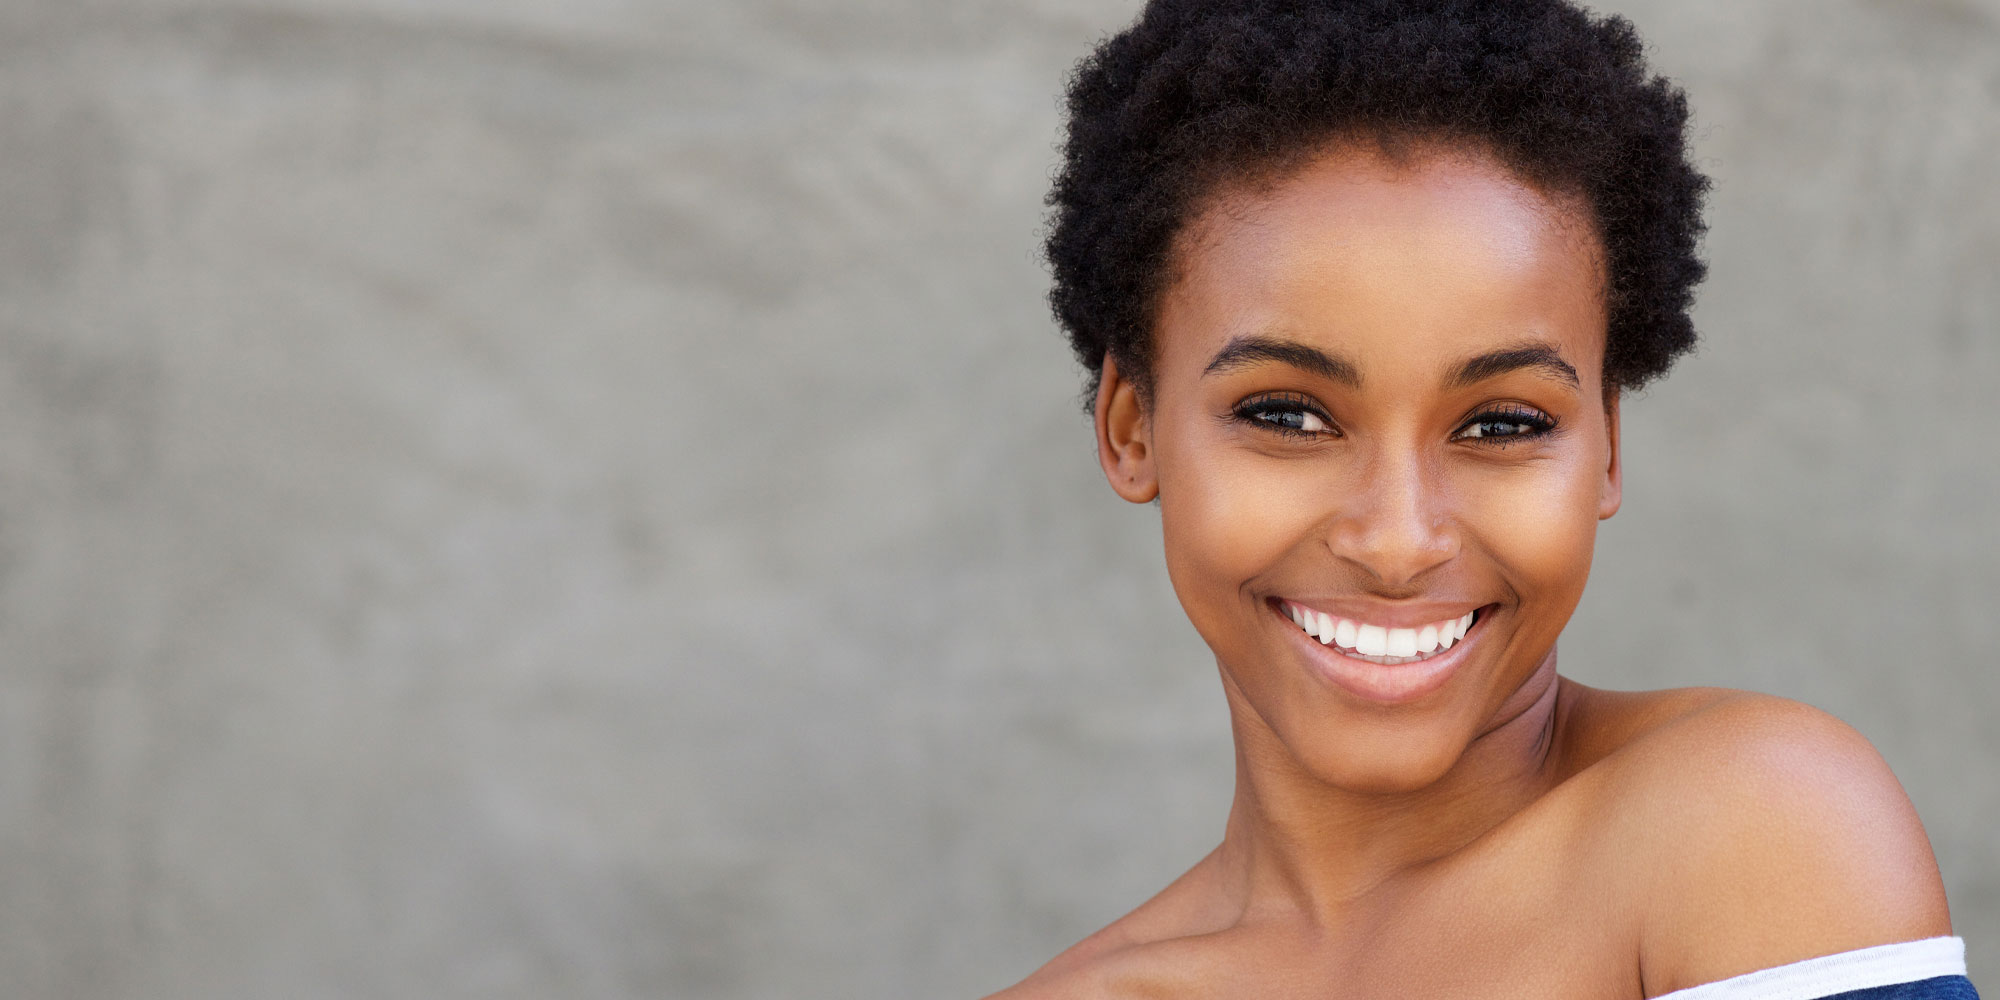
{"x": 1382, "y": 683}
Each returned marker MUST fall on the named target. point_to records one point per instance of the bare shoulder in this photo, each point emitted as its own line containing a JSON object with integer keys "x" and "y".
{"x": 1136, "y": 954}
{"x": 1758, "y": 831}
{"x": 1117, "y": 965}
{"x": 1081, "y": 972}
{"x": 1056, "y": 982}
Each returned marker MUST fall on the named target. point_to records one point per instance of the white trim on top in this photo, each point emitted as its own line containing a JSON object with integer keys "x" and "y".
{"x": 1830, "y": 975}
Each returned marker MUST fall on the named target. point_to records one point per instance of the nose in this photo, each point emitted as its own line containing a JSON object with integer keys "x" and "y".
{"x": 1394, "y": 521}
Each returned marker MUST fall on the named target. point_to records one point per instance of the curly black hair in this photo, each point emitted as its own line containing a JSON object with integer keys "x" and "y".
{"x": 1200, "y": 94}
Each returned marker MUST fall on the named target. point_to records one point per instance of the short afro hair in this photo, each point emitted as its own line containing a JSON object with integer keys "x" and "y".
{"x": 1199, "y": 94}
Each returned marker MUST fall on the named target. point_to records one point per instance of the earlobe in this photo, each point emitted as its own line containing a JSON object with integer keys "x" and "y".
{"x": 1124, "y": 437}
{"x": 1614, "y": 477}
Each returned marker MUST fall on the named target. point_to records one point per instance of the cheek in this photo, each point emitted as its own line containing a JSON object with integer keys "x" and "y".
{"x": 1227, "y": 517}
{"x": 1539, "y": 525}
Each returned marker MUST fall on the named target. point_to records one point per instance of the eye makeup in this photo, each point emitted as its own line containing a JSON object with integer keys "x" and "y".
{"x": 1292, "y": 414}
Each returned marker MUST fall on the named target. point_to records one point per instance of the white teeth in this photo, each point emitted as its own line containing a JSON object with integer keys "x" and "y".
{"x": 1402, "y": 642}
{"x": 1371, "y": 640}
{"x": 1345, "y": 632}
{"x": 1379, "y": 642}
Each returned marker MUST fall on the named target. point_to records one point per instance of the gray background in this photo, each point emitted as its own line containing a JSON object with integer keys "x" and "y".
{"x": 506, "y": 498}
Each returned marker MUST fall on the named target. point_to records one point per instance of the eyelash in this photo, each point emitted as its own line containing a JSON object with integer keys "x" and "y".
{"x": 1535, "y": 421}
{"x": 1254, "y": 411}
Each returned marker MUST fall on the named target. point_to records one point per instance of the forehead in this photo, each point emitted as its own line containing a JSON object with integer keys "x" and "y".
{"x": 1434, "y": 256}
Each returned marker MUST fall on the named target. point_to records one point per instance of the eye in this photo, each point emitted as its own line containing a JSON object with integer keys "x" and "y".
{"x": 1506, "y": 424}
{"x": 1287, "y": 413}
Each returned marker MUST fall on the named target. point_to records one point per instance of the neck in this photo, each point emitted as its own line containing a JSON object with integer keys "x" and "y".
{"x": 1295, "y": 843}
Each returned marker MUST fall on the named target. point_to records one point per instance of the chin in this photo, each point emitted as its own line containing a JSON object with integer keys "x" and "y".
{"x": 1378, "y": 759}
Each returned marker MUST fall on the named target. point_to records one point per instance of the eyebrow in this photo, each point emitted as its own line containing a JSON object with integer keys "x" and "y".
{"x": 1542, "y": 359}
{"x": 1248, "y": 350}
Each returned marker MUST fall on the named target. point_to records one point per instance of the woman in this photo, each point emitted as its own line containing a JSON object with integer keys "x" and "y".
{"x": 1360, "y": 284}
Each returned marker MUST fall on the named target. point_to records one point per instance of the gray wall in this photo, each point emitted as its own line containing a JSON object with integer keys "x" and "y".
{"x": 505, "y": 498}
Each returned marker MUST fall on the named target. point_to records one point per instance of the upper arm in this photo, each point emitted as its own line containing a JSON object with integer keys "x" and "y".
{"x": 1781, "y": 836}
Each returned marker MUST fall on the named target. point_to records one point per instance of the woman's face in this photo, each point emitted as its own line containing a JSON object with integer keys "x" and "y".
{"x": 1377, "y": 397}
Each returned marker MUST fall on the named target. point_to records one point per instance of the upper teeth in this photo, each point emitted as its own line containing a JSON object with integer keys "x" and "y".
{"x": 1379, "y": 640}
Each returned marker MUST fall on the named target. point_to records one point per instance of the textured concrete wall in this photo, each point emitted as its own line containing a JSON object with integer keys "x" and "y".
{"x": 503, "y": 498}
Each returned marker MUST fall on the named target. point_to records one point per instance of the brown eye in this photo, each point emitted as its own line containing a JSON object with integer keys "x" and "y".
{"x": 1513, "y": 423}
{"x": 1289, "y": 415}
{"x": 1297, "y": 420}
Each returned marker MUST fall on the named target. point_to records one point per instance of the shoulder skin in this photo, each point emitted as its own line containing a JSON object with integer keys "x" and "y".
{"x": 1765, "y": 832}
{"x": 1105, "y": 964}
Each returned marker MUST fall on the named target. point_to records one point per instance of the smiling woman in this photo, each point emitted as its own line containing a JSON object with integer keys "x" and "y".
{"x": 1360, "y": 285}
{"x": 1404, "y": 441}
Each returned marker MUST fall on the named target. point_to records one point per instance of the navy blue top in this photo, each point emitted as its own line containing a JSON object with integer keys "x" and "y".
{"x": 1939, "y": 988}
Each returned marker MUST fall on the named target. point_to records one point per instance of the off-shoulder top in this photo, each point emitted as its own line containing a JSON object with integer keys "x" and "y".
{"x": 1931, "y": 969}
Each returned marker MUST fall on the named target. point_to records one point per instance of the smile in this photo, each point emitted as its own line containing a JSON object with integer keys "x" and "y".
{"x": 1381, "y": 644}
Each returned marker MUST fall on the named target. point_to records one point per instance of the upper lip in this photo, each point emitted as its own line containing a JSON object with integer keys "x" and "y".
{"x": 1413, "y": 614}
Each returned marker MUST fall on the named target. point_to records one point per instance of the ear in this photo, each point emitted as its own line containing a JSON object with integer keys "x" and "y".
{"x": 1124, "y": 437}
{"x": 1614, "y": 476}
